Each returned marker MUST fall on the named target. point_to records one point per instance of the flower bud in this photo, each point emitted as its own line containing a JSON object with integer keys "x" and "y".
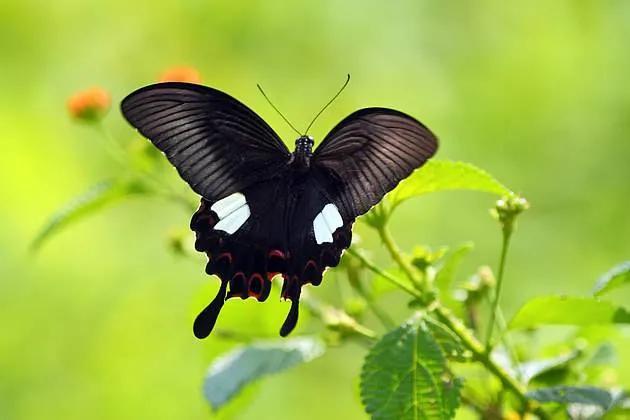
{"x": 89, "y": 105}
{"x": 506, "y": 210}
{"x": 181, "y": 74}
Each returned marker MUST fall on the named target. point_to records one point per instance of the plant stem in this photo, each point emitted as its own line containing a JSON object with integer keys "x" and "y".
{"x": 495, "y": 303}
{"x": 119, "y": 154}
{"x": 397, "y": 256}
{"x": 353, "y": 271}
{"x": 502, "y": 327}
{"x": 335, "y": 318}
{"x": 374, "y": 268}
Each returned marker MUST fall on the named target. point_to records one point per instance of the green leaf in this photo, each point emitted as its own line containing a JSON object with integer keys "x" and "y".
{"x": 446, "y": 274}
{"x": 604, "y": 355}
{"x": 97, "y": 197}
{"x": 231, "y": 372}
{"x": 616, "y": 277}
{"x": 442, "y": 175}
{"x": 560, "y": 310}
{"x": 529, "y": 370}
{"x": 573, "y": 394}
{"x": 404, "y": 376}
{"x": 617, "y": 409}
{"x": 451, "y": 345}
{"x": 381, "y": 285}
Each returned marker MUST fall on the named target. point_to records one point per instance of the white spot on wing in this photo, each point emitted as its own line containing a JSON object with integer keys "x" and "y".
{"x": 227, "y": 205}
{"x": 232, "y": 222}
{"x": 326, "y": 222}
{"x": 233, "y": 212}
{"x": 322, "y": 232}
{"x": 332, "y": 217}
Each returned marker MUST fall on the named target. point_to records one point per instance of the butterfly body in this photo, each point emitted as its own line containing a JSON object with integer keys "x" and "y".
{"x": 265, "y": 211}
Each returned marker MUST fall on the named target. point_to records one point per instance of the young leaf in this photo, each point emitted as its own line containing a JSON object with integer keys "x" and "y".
{"x": 231, "y": 372}
{"x": 441, "y": 175}
{"x": 99, "y": 196}
{"x": 573, "y": 394}
{"x": 561, "y": 310}
{"x": 616, "y": 277}
{"x": 529, "y": 370}
{"x": 381, "y": 285}
{"x": 446, "y": 274}
{"x": 404, "y": 376}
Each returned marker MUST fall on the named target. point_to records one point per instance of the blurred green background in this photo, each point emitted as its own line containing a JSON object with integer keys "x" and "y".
{"x": 98, "y": 323}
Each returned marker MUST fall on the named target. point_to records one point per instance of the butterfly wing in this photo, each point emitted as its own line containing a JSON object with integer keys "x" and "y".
{"x": 369, "y": 153}
{"x": 277, "y": 238}
{"x": 235, "y": 161}
{"x": 217, "y": 144}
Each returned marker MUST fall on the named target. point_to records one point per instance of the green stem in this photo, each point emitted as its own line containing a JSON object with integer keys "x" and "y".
{"x": 336, "y": 318}
{"x": 397, "y": 256}
{"x": 375, "y": 269}
{"x": 502, "y": 327}
{"x": 497, "y": 295}
{"x": 119, "y": 154}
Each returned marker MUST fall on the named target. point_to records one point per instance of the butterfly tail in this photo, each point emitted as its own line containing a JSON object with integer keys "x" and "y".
{"x": 204, "y": 323}
{"x": 292, "y": 317}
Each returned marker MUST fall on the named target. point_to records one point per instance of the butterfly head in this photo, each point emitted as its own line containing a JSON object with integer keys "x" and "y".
{"x": 304, "y": 144}
{"x": 303, "y": 152}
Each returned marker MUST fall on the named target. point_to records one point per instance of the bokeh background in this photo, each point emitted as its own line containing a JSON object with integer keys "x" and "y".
{"x": 97, "y": 324}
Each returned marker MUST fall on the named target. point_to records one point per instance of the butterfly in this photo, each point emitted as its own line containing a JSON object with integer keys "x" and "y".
{"x": 266, "y": 210}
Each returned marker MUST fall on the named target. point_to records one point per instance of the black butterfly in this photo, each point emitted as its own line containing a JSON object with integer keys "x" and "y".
{"x": 265, "y": 210}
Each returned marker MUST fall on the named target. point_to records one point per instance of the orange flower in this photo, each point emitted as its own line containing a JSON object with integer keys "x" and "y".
{"x": 181, "y": 74}
{"x": 89, "y": 105}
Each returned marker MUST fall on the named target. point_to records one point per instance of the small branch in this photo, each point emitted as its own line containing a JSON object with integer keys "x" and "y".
{"x": 397, "y": 256}
{"x": 335, "y": 318}
{"x": 497, "y": 295}
{"x": 375, "y": 269}
{"x": 502, "y": 328}
{"x": 505, "y": 211}
{"x": 120, "y": 155}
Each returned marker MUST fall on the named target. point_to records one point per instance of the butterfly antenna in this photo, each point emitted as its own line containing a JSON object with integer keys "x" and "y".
{"x": 329, "y": 102}
{"x": 274, "y": 107}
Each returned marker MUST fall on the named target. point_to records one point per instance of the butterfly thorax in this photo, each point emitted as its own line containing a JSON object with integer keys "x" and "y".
{"x": 301, "y": 156}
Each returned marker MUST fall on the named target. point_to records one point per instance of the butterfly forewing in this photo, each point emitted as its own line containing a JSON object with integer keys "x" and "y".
{"x": 370, "y": 152}
{"x": 218, "y": 145}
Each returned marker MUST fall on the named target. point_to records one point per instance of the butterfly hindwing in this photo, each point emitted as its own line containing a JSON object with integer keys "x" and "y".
{"x": 278, "y": 238}
{"x": 369, "y": 153}
{"x": 217, "y": 144}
